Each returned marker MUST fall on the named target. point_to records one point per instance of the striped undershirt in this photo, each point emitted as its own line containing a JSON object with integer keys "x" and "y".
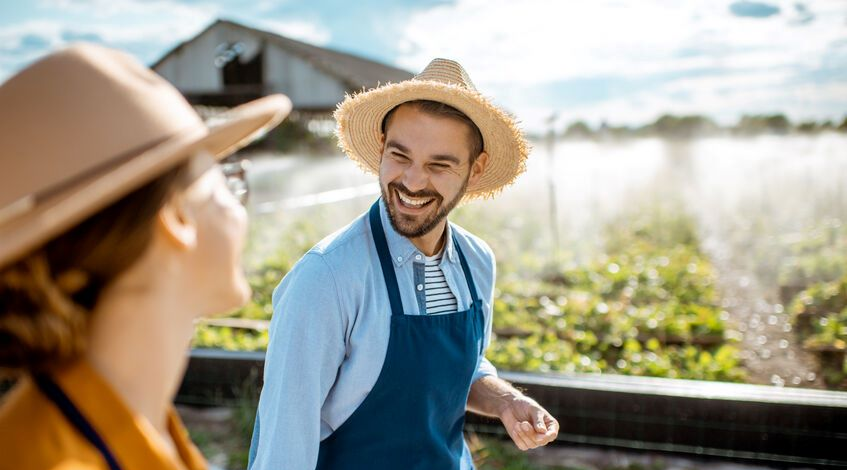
{"x": 439, "y": 299}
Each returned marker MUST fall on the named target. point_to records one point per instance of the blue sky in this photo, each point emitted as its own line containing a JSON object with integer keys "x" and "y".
{"x": 624, "y": 62}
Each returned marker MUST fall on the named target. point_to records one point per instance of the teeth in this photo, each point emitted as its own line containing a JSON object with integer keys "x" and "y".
{"x": 413, "y": 201}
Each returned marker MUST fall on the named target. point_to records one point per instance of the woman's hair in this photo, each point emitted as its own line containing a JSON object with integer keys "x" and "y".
{"x": 46, "y": 297}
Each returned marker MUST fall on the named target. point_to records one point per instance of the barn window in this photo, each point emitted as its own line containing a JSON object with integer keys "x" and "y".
{"x": 236, "y": 71}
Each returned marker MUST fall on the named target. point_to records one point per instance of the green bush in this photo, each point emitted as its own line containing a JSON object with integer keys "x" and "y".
{"x": 821, "y": 298}
{"x": 820, "y": 255}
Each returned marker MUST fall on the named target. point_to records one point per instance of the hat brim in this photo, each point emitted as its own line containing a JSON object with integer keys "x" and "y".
{"x": 61, "y": 211}
{"x": 360, "y": 118}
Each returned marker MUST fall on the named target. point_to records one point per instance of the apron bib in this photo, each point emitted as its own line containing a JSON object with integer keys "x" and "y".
{"x": 414, "y": 415}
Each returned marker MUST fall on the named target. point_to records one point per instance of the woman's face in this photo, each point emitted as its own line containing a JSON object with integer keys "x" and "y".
{"x": 221, "y": 225}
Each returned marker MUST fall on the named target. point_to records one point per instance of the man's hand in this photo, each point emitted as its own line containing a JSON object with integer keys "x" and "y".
{"x": 528, "y": 424}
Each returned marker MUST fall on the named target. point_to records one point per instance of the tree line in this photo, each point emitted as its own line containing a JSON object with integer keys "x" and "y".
{"x": 691, "y": 126}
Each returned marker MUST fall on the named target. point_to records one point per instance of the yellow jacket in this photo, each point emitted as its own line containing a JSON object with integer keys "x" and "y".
{"x": 35, "y": 435}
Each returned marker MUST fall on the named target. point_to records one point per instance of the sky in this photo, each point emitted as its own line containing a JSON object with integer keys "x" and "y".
{"x": 624, "y": 62}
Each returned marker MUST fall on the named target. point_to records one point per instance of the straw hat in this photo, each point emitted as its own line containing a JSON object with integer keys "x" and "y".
{"x": 84, "y": 126}
{"x": 360, "y": 119}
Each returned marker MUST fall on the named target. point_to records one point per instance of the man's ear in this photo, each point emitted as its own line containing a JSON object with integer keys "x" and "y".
{"x": 381, "y": 146}
{"x": 177, "y": 226}
{"x": 478, "y": 168}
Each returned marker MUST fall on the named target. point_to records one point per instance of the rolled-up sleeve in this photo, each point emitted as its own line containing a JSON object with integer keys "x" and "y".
{"x": 307, "y": 346}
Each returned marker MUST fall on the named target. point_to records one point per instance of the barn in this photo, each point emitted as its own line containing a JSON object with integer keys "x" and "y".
{"x": 229, "y": 63}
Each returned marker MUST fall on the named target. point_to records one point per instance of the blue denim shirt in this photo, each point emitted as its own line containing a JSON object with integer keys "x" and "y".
{"x": 329, "y": 335}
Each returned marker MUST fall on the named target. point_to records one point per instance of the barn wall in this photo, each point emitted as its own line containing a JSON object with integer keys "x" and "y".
{"x": 306, "y": 85}
{"x": 191, "y": 69}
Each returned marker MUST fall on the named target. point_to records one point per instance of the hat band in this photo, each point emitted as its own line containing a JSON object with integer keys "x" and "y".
{"x": 29, "y": 202}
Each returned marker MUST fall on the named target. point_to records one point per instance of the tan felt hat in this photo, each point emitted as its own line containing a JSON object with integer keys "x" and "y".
{"x": 360, "y": 119}
{"x": 86, "y": 125}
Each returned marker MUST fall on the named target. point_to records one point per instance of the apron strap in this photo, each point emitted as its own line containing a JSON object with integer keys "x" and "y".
{"x": 72, "y": 413}
{"x": 466, "y": 269}
{"x": 385, "y": 260}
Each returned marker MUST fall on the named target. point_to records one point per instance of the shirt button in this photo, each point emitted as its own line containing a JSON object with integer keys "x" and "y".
{"x": 420, "y": 286}
{"x": 418, "y": 257}
{"x": 400, "y": 259}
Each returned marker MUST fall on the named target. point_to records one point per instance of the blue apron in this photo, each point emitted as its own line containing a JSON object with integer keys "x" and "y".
{"x": 55, "y": 394}
{"x": 414, "y": 415}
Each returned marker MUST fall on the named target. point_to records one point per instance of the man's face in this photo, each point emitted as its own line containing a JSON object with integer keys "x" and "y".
{"x": 425, "y": 169}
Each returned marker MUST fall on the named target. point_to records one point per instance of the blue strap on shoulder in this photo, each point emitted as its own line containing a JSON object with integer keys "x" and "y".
{"x": 66, "y": 406}
{"x": 385, "y": 260}
{"x": 466, "y": 269}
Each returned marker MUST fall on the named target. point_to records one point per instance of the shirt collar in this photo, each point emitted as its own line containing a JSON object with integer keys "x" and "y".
{"x": 129, "y": 435}
{"x": 401, "y": 248}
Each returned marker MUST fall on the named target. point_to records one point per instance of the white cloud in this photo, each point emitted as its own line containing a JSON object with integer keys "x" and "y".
{"x": 13, "y": 38}
{"x": 119, "y": 22}
{"x": 542, "y": 40}
{"x": 645, "y": 56}
{"x": 112, "y": 8}
{"x": 506, "y": 44}
{"x": 174, "y": 19}
{"x": 719, "y": 100}
{"x": 145, "y": 28}
{"x": 303, "y": 30}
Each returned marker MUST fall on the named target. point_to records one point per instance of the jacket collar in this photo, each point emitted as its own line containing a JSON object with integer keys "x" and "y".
{"x": 129, "y": 435}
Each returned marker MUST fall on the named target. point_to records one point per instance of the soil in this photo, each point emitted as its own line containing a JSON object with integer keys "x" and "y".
{"x": 770, "y": 349}
{"x": 588, "y": 458}
{"x": 215, "y": 432}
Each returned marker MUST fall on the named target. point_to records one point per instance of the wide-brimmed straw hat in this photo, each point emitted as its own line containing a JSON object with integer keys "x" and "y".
{"x": 85, "y": 126}
{"x": 360, "y": 119}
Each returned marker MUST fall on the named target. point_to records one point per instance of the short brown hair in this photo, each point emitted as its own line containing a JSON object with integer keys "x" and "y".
{"x": 437, "y": 108}
{"x": 46, "y": 297}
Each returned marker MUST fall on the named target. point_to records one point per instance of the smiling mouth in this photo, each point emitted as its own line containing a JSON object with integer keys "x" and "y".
{"x": 413, "y": 202}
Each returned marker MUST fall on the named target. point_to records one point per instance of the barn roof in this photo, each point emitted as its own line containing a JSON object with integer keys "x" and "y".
{"x": 354, "y": 71}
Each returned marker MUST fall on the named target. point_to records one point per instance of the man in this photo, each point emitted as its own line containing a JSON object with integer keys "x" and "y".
{"x": 379, "y": 332}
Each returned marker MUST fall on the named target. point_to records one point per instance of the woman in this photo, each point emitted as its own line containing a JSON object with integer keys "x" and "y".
{"x": 117, "y": 231}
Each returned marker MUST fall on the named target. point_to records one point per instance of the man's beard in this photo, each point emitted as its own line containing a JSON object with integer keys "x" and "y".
{"x": 407, "y": 229}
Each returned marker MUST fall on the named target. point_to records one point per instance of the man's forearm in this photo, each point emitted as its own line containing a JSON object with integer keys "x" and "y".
{"x": 490, "y": 395}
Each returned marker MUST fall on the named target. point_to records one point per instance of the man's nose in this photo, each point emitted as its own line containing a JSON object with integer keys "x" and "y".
{"x": 415, "y": 178}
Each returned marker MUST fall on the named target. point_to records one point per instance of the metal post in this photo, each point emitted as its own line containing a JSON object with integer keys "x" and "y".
{"x": 551, "y": 183}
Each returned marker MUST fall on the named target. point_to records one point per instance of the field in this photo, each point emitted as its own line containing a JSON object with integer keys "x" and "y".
{"x": 721, "y": 259}
{"x": 647, "y": 306}
{"x": 647, "y": 258}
